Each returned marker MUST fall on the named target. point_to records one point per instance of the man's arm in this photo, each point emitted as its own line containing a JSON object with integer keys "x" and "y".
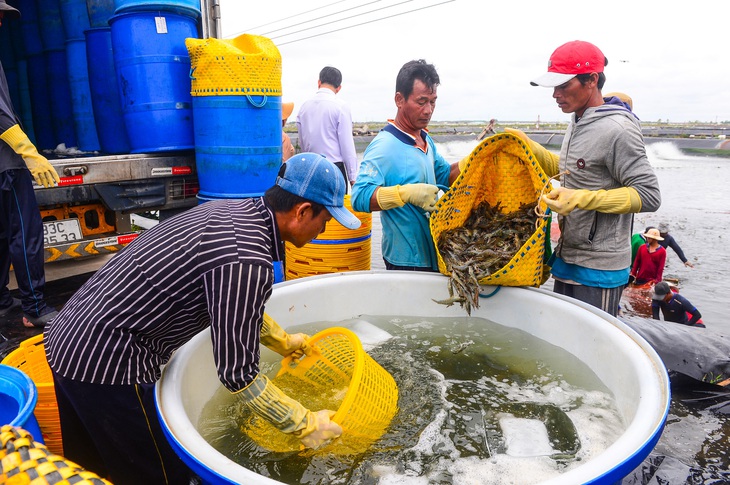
{"x": 672, "y": 243}
{"x": 347, "y": 144}
{"x": 696, "y": 315}
{"x": 655, "y": 310}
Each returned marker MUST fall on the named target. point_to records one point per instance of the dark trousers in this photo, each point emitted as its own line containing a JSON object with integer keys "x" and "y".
{"x": 114, "y": 431}
{"x": 607, "y": 299}
{"x": 21, "y": 241}
{"x": 341, "y": 166}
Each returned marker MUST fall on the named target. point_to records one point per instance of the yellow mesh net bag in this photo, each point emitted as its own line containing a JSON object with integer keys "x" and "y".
{"x": 501, "y": 169}
{"x": 246, "y": 65}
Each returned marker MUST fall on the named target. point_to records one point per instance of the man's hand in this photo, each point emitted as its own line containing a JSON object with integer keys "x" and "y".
{"x": 424, "y": 196}
{"x": 41, "y": 170}
{"x": 615, "y": 201}
{"x": 323, "y": 429}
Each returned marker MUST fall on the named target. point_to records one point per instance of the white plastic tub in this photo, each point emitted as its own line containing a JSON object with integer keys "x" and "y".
{"x": 621, "y": 359}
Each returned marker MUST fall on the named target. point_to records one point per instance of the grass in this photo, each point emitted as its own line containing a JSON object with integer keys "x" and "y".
{"x": 706, "y": 151}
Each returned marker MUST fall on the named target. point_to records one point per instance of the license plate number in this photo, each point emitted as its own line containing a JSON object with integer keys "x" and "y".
{"x": 66, "y": 230}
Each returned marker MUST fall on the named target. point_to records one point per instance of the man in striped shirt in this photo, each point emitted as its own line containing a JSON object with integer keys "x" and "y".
{"x": 209, "y": 266}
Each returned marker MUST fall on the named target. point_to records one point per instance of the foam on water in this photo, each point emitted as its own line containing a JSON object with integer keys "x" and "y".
{"x": 525, "y": 437}
{"x": 369, "y": 335}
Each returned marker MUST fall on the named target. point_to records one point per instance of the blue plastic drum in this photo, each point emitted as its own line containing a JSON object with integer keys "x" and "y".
{"x": 153, "y": 75}
{"x": 237, "y": 144}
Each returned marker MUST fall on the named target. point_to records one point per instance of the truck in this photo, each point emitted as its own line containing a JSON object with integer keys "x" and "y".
{"x": 91, "y": 211}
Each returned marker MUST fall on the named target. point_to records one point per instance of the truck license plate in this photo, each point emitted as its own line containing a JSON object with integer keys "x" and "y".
{"x": 65, "y": 230}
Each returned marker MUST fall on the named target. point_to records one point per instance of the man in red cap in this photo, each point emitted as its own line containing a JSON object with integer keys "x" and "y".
{"x": 605, "y": 177}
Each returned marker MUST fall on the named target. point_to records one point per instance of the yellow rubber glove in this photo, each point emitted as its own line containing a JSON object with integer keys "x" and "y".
{"x": 615, "y": 201}
{"x": 42, "y": 171}
{"x": 424, "y": 196}
{"x": 275, "y": 338}
{"x": 549, "y": 161}
{"x": 288, "y": 415}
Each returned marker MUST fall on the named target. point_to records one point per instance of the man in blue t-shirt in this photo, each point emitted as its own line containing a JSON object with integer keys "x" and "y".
{"x": 401, "y": 172}
{"x": 674, "y": 307}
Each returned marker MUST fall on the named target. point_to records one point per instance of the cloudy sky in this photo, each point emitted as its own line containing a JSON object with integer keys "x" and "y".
{"x": 670, "y": 57}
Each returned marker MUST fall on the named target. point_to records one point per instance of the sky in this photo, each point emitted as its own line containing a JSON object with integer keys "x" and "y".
{"x": 670, "y": 57}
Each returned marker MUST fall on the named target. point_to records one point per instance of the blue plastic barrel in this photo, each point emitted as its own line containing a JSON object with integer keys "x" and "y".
{"x": 105, "y": 99}
{"x": 75, "y": 18}
{"x": 10, "y": 66}
{"x": 100, "y": 11}
{"x": 153, "y": 72}
{"x": 50, "y": 23}
{"x": 40, "y": 101}
{"x": 30, "y": 32}
{"x": 18, "y": 397}
{"x": 24, "y": 108}
{"x": 60, "y": 96}
{"x": 237, "y": 144}
{"x": 185, "y": 7}
{"x": 78, "y": 78}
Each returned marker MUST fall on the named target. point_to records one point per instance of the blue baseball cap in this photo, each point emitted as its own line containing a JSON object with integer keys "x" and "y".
{"x": 313, "y": 177}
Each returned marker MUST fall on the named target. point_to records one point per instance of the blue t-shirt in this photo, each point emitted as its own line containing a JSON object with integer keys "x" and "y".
{"x": 393, "y": 158}
{"x": 675, "y": 310}
{"x": 597, "y": 278}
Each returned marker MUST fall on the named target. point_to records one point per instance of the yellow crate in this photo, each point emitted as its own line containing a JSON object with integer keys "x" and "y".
{"x": 30, "y": 357}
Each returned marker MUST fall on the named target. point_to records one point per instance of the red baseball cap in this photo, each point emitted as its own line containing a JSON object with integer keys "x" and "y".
{"x": 569, "y": 60}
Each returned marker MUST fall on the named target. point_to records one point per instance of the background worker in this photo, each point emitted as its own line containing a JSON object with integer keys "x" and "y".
{"x": 324, "y": 123}
{"x": 400, "y": 171}
{"x": 21, "y": 227}
{"x": 669, "y": 241}
{"x": 211, "y": 266}
{"x": 605, "y": 176}
{"x": 623, "y": 97}
{"x": 287, "y": 149}
{"x": 637, "y": 240}
{"x": 674, "y": 307}
{"x": 650, "y": 258}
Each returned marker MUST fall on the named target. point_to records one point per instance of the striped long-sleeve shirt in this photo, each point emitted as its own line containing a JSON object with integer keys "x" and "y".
{"x": 211, "y": 265}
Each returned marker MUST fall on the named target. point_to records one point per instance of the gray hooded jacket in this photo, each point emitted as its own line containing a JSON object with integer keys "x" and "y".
{"x": 604, "y": 150}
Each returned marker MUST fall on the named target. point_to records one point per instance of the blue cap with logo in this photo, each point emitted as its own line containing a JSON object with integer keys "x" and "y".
{"x": 313, "y": 177}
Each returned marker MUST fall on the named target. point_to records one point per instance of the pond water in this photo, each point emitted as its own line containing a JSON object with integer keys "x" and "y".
{"x": 478, "y": 403}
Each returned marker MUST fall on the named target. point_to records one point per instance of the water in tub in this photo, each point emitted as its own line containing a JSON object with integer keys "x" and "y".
{"x": 478, "y": 403}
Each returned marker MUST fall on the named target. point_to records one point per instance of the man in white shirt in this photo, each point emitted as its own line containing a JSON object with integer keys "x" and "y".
{"x": 325, "y": 125}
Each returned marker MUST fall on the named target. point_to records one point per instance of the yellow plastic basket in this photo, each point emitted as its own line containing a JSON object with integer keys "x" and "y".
{"x": 30, "y": 357}
{"x": 503, "y": 169}
{"x": 246, "y": 65}
{"x": 364, "y": 394}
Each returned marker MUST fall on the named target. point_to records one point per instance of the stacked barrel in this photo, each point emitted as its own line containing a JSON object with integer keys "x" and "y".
{"x": 236, "y": 90}
{"x": 75, "y": 21}
{"x": 152, "y": 71}
{"x": 102, "y": 75}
